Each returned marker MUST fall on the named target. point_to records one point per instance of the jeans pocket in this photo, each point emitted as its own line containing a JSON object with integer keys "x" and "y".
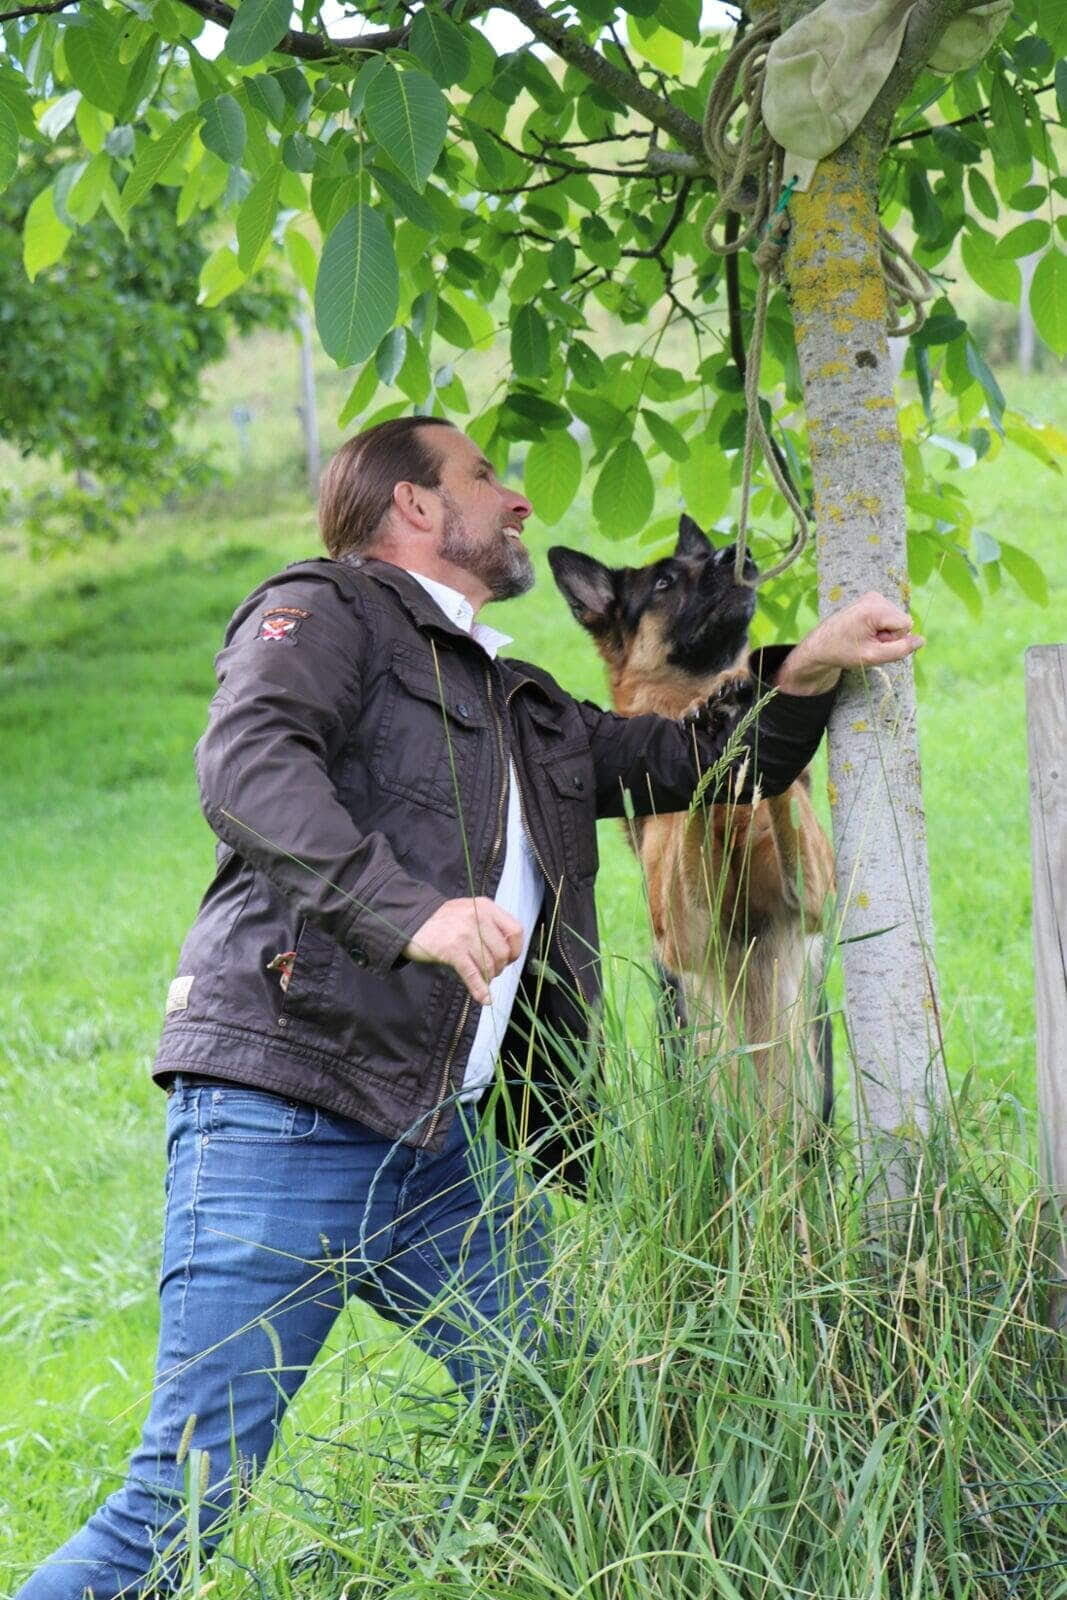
{"x": 254, "y": 1116}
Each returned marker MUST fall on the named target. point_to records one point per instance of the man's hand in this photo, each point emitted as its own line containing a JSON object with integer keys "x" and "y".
{"x": 868, "y": 633}
{"x": 475, "y": 937}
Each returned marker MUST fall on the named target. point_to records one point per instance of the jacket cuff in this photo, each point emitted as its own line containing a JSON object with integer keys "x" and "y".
{"x": 376, "y": 934}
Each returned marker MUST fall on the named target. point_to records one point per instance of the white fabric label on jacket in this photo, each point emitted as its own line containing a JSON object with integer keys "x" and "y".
{"x": 178, "y": 995}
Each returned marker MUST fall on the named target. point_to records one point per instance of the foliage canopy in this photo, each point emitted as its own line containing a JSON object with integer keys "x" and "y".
{"x": 432, "y": 194}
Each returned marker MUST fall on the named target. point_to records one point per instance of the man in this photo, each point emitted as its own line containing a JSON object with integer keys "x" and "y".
{"x": 407, "y": 854}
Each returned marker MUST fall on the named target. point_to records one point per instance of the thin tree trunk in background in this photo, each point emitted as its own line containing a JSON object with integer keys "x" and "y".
{"x": 309, "y": 416}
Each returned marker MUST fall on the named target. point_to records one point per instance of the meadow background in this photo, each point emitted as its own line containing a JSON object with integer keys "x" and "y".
{"x": 105, "y": 664}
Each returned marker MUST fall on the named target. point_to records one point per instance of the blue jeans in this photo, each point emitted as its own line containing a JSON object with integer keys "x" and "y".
{"x": 275, "y": 1213}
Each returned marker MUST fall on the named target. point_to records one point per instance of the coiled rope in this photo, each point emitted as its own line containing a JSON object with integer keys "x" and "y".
{"x": 748, "y": 168}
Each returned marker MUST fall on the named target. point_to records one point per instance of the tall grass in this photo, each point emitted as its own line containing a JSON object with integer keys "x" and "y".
{"x": 739, "y": 1390}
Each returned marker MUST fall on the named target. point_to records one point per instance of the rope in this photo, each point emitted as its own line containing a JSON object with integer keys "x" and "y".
{"x": 748, "y": 170}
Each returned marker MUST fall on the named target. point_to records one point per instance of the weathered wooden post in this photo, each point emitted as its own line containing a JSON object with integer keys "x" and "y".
{"x": 1046, "y": 715}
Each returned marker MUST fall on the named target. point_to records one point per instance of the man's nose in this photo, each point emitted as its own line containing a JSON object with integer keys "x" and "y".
{"x": 518, "y": 504}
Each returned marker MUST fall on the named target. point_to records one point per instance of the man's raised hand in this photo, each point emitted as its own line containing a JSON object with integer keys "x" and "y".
{"x": 474, "y": 937}
{"x": 870, "y": 632}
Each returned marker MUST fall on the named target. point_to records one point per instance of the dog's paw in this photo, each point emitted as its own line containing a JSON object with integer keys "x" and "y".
{"x": 726, "y": 704}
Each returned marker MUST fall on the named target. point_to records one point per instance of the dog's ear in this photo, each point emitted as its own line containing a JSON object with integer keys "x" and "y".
{"x": 692, "y": 541}
{"x": 587, "y": 585}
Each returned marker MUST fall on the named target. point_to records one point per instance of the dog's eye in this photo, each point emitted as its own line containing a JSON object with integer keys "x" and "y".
{"x": 666, "y": 582}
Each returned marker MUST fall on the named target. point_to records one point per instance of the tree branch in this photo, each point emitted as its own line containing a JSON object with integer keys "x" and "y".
{"x": 306, "y": 46}
{"x": 972, "y": 116}
{"x": 569, "y": 45}
{"x": 35, "y": 11}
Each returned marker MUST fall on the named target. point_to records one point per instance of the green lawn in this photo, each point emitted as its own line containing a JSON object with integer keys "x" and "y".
{"x": 106, "y": 668}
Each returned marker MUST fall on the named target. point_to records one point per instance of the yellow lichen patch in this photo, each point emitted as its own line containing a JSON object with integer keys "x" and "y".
{"x": 846, "y": 767}
{"x": 863, "y": 901}
{"x": 834, "y": 594}
{"x": 868, "y": 502}
{"x": 834, "y": 513}
{"x": 860, "y": 727}
{"x": 874, "y": 538}
{"x": 831, "y": 791}
{"x": 879, "y": 402}
{"x": 832, "y": 369}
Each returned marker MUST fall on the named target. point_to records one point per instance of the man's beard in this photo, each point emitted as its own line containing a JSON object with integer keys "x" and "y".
{"x": 503, "y": 563}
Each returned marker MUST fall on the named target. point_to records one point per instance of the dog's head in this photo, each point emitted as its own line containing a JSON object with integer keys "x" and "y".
{"x": 684, "y": 615}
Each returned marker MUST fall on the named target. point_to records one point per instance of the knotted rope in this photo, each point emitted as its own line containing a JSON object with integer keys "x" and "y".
{"x": 748, "y": 169}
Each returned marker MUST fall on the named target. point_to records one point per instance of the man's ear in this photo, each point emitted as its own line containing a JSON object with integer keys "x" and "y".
{"x": 412, "y": 505}
{"x": 692, "y": 541}
{"x": 588, "y": 586}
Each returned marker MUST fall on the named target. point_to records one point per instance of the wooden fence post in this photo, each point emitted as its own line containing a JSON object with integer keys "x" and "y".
{"x": 1046, "y": 716}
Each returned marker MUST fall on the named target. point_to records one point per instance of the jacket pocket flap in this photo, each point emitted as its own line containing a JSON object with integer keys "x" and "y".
{"x": 571, "y": 776}
{"x": 419, "y": 679}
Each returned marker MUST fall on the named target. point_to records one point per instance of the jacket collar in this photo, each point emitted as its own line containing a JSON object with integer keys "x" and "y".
{"x": 423, "y": 611}
{"x": 426, "y": 613}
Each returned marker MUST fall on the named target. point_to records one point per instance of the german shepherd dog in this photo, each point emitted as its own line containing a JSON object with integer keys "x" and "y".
{"x": 736, "y": 892}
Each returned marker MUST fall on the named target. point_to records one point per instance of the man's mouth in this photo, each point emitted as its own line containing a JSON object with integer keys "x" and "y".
{"x": 512, "y": 530}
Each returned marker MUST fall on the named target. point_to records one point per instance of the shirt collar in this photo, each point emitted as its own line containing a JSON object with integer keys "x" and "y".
{"x": 458, "y": 609}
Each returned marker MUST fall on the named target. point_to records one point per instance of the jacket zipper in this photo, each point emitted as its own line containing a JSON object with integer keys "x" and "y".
{"x": 497, "y": 842}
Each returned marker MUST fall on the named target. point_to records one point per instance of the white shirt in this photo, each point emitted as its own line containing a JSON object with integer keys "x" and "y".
{"x": 521, "y": 888}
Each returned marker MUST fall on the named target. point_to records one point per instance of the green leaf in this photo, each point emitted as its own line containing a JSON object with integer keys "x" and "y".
{"x": 585, "y": 364}
{"x": 222, "y": 129}
{"x": 530, "y": 345}
{"x": 451, "y": 326}
{"x": 624, "y": 494}
{"x": 357, "y": 288}
{"x": 705, "y": 482}
{"x": 219, "y": 276}
{"x": 666, "y": 435}
{"x": 255, "y": 218}
{"x": 414, "y": 378}
{"x": 658, "y": 46}
{"x": 44, "y": 238}
{"x": 956, "y": 574}
{"x": 1048, "y": 300}
{"x": 408, "y": 116}
{"x": 9, "y": 146}
{"x": 302, "y": 258}
{"x": 1026, "y": 239}
{"x": 407, "y": 200}
{"x": 93, "y": 62}
{"x": 492, "y": 157}
{"x": 996, "y": 276}
{"x": 360, "y": 395}
{"x": 982, "y": 195}
{"x": 1006, "y": 129}
{"x": 984, "y": 547}
{"x": 440, "y": 46}
{"x": 265, "y": 94}
{"x": 87, "y": 191}
{"x": 389, "y": 356}
{"x": 1026, "y": 572}
{"x": 553, "y": 473}
{"x": 1061, "y": 88}
{"x": 298, "y": 153}
{"x": 258, "y": 26}
{"x": 155, "y": 157}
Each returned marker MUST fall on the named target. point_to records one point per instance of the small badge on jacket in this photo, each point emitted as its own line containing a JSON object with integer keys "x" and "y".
{"x": 281, "y": 624}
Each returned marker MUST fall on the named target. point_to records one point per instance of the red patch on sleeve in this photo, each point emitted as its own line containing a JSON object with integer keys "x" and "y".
{"x": 282, "y": 623}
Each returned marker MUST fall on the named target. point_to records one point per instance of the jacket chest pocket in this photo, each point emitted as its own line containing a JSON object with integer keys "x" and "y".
{"x": 430, "y": 735}
{"x": 571, "y": 793}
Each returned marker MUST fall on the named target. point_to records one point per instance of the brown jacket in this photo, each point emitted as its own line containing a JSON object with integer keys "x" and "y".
{"x": 355, "y": 769}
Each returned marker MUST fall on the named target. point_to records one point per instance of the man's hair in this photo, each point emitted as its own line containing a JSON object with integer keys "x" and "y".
{"x": 357, "y": 486}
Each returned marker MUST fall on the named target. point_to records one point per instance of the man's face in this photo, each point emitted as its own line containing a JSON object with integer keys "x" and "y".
{"x": 481, "y": 531}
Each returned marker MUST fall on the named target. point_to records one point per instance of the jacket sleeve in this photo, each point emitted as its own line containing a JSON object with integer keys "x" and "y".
{"x": 658, "y": 762}
{"x": 290, "y": 679}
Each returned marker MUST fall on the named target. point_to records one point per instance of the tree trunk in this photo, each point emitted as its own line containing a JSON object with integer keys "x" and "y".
{"x": 839, "y": 307}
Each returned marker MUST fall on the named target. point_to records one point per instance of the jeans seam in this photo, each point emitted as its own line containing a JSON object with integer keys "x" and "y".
{"x": 183, "y": 1303}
